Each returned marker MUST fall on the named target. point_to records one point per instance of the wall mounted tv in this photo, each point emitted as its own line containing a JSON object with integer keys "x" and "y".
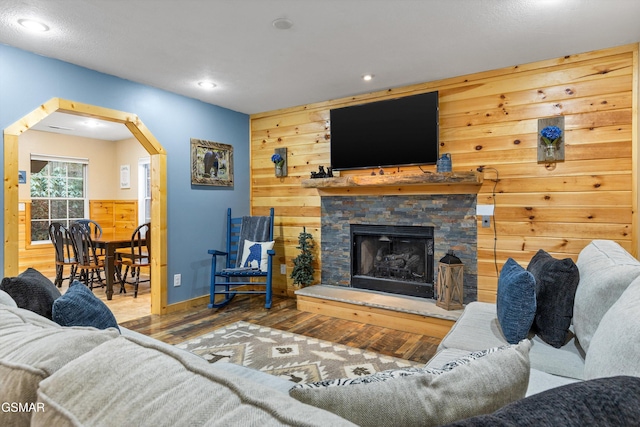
{"x": 394, "y": 132}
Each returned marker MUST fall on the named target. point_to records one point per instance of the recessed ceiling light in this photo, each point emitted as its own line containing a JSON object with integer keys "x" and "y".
{"x": 207, "y": 85}
{"x": 33, "y": 25}
{"x": 367, "y": 77}
{"x": 282, "y": 23}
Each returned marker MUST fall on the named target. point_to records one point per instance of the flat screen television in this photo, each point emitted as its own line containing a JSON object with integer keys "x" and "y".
{"x": 395, "y": 132}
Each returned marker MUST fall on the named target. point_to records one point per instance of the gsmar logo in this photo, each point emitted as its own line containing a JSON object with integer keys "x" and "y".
{"x": 22, "y": 407}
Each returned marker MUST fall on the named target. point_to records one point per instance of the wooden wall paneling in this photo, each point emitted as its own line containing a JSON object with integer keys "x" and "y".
{"x": 125, "y": 214}
{"x": 635, "y": 138}
{"x": 114, "y": 214}
{"x": 42, "y": 256}
{"x": 102, "y": 211}
{"x": 490, "y": 119}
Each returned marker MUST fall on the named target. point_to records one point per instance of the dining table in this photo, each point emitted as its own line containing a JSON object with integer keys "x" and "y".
{"x": 109, "y": 241}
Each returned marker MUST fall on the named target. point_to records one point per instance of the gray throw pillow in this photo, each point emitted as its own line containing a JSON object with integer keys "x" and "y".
{"x": 402, "y": 372}
{"x": 516, "y": 302}
{"x": 602, "y": 402}
{"x": 606, "y": 270}
{"x": 80, "y": 307}
{"x": 556, "y": 283}
{"x": 477, "y": 387}
{"x": 614, "y": 346}
{"x": 32, "y": 291}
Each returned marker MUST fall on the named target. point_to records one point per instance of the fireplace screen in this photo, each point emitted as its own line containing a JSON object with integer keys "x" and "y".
{"x": 396, "y": 259}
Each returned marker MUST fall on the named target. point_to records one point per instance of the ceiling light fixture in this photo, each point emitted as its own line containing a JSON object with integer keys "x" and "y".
{"x": 367, "y": 77}
{"x": 33, "y": 25}
{"x": 60, "y": 127}
{"x": 282, "y": 23}
{"x": 207, "y": 85}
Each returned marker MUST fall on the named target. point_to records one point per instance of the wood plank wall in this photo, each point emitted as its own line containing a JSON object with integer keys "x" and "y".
{"x": 115, "y": 214}
{"x": 488, "y": 119}
{"x": 110, "y": 214}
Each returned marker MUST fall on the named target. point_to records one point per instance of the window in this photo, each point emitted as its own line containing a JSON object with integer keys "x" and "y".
{"x": 58, "y": 193}
{"x": 144, "y": 190}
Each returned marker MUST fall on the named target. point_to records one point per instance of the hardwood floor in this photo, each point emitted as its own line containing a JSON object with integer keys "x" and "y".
{"x": 283, "y": 315}
{"x": 123, "y": 305}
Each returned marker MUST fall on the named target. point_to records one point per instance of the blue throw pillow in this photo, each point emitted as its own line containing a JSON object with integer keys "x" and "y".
{"x": 80, "y": 307}
{"x": 516, "y": 303}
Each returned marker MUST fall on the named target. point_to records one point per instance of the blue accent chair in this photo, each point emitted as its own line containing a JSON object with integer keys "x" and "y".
{"x": 231, "y": 278}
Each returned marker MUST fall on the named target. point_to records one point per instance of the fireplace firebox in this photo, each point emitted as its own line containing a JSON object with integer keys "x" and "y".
{"x": 395, "y": 259}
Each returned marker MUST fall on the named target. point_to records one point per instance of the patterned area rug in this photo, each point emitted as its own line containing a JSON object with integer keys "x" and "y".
{"x": 295, "y": 357}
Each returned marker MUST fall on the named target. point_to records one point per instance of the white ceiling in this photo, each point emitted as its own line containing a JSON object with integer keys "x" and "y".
{"x": 70, "y": 124}
{"x": 173, "y": 44}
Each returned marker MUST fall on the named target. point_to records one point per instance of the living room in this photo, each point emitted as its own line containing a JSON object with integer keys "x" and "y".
{"x": 489, "y": 120}
{"x": 486, "y": 119}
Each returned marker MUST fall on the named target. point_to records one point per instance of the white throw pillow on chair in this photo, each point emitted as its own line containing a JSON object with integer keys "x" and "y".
{"x": 254, "y": 254}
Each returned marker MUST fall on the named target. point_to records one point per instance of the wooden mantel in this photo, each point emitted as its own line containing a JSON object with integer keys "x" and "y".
{"x": 393, "y": 184}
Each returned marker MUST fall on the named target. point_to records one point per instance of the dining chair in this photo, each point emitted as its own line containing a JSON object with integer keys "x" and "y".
{"x": 64, "y": 252}
{"x": 89, "y": 263}
{"x": 137, "y": 255}
{"x": 94, "y": 229}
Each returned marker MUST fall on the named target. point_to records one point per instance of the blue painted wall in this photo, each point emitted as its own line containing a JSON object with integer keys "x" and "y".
{"x": 195, "y": 215}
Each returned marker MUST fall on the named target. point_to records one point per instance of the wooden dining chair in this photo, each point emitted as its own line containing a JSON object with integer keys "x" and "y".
{"x": 89, "y": 263}
{"x": 137, "y": 255}
{"x": 94, "y": 229}
{"x": 64, "y": 252}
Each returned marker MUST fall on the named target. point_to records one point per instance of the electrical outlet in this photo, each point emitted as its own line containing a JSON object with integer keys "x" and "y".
{"x": 177, "y": 279}
{"x": 283, "y": 268}
{"x": 486, "y": 221}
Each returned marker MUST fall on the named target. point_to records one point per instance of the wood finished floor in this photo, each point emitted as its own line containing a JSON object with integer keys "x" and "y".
{"x": 283, "y": 315}
{"x": 123, "y": 305}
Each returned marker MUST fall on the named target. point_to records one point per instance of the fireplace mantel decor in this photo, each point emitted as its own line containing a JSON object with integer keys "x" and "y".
{"x": 450, "y": 282}
{"x": 402, "y": 183}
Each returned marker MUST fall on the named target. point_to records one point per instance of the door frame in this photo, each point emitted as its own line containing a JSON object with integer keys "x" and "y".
{"x": 158, "y": 187}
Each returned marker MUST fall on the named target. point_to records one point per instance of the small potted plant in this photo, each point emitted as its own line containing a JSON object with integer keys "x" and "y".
{"x": 302, "y": 273}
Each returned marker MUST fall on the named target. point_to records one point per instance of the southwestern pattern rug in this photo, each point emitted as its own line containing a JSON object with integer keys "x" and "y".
{"x": 295, "y": 357}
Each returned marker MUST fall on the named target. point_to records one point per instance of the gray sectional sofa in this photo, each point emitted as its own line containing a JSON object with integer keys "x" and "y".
{"x": 81, "y": 376}
{"x": 84, "y": 376}
{"x": 604, "y": 339}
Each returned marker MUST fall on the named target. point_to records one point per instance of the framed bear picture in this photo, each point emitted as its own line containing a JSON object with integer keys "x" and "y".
{"x": 211, "y": 163}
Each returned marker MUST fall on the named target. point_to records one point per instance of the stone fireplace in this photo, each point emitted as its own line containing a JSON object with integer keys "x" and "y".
{"x": 450, "y": 219}
{"x": 390, "y": 258}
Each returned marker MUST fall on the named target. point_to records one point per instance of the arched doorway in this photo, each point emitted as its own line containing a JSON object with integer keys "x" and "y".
{"x": 158, "y": 186}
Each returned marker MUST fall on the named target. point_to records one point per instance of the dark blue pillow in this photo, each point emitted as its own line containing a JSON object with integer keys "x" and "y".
{"x": 32, "y": 291}
{"x": 611, "y": 401}
{"x": 516, "y": 303}
{"x": 80, "y": 307}
{"x": 556, "y": 284}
